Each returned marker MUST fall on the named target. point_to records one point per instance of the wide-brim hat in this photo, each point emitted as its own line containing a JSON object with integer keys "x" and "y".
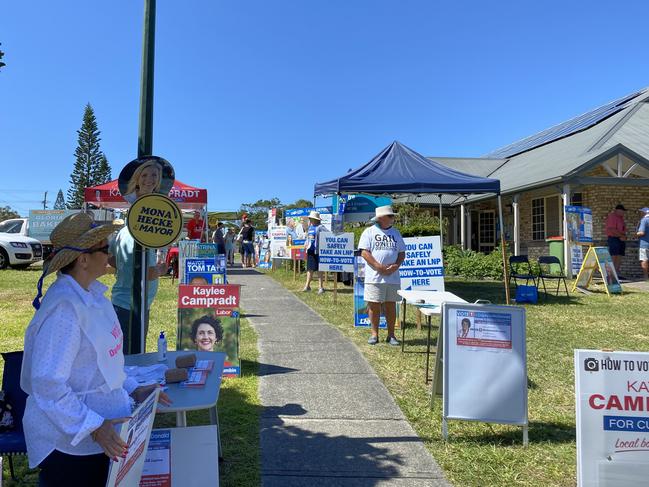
{"x": 644, "y": 210}
{"x": 75, "y": 234}
{"x": 314, "y": 215}
{"x": 383, "y": 211}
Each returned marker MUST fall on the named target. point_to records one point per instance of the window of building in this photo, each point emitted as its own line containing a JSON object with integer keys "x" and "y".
{"x": 487, "y": 231}
{"x": 546, "y": 217}
{"x": 577, "y": 199}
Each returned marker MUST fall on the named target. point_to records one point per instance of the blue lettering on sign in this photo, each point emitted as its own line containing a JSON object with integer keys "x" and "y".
{"x": 626, "y": 423}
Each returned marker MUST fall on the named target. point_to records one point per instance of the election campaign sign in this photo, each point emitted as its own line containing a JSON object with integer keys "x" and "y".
{"x": 154, "y": 221}
{"x": 579, "y": 220}
{"x": 612, "y": 406}
{"x": 208, "y": 321}
{"x": 598, "y": 258}
{"x": 278, "y": 239}
{"x": 361, "y": 316}
{"x": 336, "y": 252}
{"x": 193, "y": 249}
{"x": 157, "y": 464}
{"x": 423, "y": 268}
{"x": 205, "y": 271}
{"x": 483, "y": 356}
{"x": 136, "y": 432}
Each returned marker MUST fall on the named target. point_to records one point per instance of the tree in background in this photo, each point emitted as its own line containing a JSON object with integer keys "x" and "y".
{"x": 91, "y": 165}
{"x": 59, "y": 204}
{"x": 7, "y": 212}
{"x": 299, "y": 204}
{"x": 258, "y": 211}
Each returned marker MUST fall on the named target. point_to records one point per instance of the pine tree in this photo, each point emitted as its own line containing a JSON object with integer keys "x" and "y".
{"x": 103, "y": 174}
{"x": 59, "y": 204}
{"x": 89, "y": 159}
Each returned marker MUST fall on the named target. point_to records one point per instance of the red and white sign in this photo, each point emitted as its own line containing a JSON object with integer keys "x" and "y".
{"x": 612, "y": 402}
{"x": 222, "y": 296}
{"x": 107, "y": 195}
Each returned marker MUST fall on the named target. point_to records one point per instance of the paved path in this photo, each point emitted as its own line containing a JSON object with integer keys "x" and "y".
{"x": 327, "y": 419}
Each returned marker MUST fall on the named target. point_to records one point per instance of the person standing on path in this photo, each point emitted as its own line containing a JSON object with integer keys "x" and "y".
{"x": 616, "y": 236}
{"x": 229, "y": 246}
{"x": 219, "y": 239}
{"x": 247, "y": 244}
{"x": 384, "y": 250}
{"x": 195, "y": 227}
{"x": 643, "y": 236}
{"x": 313, "y": 252}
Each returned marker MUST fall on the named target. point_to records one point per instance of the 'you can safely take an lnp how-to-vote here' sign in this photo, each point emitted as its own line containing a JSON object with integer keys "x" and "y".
{"x": 336, "y": 252}
{"x": 423, "y": 268}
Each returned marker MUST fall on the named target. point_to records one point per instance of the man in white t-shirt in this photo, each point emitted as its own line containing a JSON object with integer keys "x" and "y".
{"x": 384, "y": 250}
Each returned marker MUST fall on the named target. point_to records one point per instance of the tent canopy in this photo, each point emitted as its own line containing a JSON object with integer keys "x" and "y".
{"x": 399, "y": 169}
{"x": 107, "y": 195}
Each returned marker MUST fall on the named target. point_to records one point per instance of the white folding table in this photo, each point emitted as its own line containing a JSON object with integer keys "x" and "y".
{"x": 429, "y": 303}
{"x": 189, "y": 398}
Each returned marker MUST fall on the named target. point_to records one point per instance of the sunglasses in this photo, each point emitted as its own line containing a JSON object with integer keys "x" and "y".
{"x": 103, "y": 250}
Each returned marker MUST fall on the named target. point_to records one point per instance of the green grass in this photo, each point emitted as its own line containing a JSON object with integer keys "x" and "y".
{"x": 239, "y": 407}
{"x": 480, "y": 454}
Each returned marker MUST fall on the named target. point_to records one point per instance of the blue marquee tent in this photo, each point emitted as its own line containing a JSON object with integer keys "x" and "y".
{"x": 399, "y": 169}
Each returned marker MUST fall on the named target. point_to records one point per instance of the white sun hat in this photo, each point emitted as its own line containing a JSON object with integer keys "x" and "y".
{"x": 383, "y": 211}
{"x": 314, "y": 215}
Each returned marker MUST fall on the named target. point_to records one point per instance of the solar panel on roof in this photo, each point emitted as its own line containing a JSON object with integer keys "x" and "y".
{"x": 565, "y": 129}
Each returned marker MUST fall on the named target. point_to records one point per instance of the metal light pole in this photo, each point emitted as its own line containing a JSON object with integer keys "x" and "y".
{"x": 139, "y": 309}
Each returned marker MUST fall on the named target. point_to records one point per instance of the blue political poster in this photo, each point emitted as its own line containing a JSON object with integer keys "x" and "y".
{"x": 361, "y": 316}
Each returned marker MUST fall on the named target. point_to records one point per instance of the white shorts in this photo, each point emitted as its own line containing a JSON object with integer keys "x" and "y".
{"x": 643, "y": 253}
{"x": 381, "y": 293}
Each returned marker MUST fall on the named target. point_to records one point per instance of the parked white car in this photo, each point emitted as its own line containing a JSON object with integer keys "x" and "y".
{"x": 17, "y": 250}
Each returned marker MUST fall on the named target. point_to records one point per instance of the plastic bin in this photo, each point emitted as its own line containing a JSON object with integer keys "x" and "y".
{"x": 556, "y": 250}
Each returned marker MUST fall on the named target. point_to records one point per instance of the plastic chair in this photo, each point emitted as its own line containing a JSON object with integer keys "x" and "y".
{"x": 520, "y": 269}
{"x": 545, "y": 264}
{"x": 13, "y": 442}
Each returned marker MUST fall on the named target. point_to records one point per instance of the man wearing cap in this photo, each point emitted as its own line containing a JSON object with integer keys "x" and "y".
{"x": 616, "y": 234}
{"x": 312, "y": 247}
{"x": 643, "y": 237}
{"x": 384, "y": 250}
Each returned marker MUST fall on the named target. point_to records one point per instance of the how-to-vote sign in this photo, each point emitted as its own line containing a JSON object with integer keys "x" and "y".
{"x": 423, "y": 268}
{"x": 336, "y": 252}
{"x": 612, "y": 402}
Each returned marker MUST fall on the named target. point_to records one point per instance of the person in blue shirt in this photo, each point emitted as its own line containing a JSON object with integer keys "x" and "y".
{"x": 312, "y": 252}
{"x": 122, "y": 248}
{"x": 643, "y": 237}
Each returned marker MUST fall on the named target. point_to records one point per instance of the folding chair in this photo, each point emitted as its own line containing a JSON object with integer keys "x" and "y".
{"x": 13, "y": 442}
{"x": 545, "y": 264}
{"x": 520, "y": 269}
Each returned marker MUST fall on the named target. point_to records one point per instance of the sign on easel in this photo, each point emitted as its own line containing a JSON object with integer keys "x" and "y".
{"x": 612, "y": 418}
{"x": 598, "y": 258}
{"x": 483, "y": 355}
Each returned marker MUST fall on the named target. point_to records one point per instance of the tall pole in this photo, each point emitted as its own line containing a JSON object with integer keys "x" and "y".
{"x": 503, "y": 249}
{"x": 139, "y": 308}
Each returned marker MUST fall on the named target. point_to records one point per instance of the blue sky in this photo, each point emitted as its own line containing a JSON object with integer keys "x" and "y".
{"x": 261, "y": 98}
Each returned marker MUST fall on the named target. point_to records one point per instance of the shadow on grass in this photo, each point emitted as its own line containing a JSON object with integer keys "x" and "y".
{"x": 539, "y": 432}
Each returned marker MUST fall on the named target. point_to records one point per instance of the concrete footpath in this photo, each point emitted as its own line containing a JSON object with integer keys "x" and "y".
{"x": 327, "y": 419}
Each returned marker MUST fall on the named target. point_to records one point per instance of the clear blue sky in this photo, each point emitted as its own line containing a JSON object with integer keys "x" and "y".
{"x": 256, "y": 99}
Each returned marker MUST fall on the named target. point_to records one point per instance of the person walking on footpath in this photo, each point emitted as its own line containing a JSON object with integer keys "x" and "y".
{"x": 616, "y": 236}
{"x": 643, "y": 237}
{"x": 313, "y": 252}
{"x": 384, "y": 250}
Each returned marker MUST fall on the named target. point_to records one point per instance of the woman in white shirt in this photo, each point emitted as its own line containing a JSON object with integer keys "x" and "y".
{"x": 73, "y": 365}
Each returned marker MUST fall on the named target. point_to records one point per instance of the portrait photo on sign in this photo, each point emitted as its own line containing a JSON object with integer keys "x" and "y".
{"x": 146, "y": 175}
{"x": 210, "y": 330}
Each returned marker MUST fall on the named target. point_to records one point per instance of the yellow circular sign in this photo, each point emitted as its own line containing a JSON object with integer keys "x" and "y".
{"x": 154, "y": 221}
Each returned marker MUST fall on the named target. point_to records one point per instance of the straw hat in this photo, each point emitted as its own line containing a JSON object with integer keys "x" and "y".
{"x": 75, "y": 234}
{"x": 383, "y": 211}
{"x": 314, "y": 215}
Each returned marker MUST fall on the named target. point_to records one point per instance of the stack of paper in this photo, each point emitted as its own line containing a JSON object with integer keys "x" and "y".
{"x": 151, "y": 374}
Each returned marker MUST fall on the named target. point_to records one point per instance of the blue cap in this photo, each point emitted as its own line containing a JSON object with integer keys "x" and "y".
{"x": 644, "y": 210}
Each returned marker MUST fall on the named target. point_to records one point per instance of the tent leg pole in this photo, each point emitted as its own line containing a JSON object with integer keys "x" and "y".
{"x": 441, "y": 225}
{"x": 502, "y": 248}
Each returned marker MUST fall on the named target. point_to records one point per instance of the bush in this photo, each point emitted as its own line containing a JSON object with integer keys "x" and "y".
{"x": 471, "y": 264}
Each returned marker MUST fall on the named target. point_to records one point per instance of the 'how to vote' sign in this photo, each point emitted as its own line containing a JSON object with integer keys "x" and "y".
{"x": 423, "y": 268}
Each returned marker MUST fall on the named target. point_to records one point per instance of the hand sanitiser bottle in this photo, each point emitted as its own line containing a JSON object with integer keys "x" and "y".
{"x": 162, "y": 347}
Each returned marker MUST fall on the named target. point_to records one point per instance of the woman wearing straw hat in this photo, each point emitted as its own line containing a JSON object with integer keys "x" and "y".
{"x": 384, "y": 251}
{"x": 312, "y": 252}
{"x": 73, "y": 366}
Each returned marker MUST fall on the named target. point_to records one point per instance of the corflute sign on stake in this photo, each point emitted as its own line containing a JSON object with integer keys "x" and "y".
{"x": 336, "y": 252}
{"x": 154, "y": 221}
{"x": 612, "y": 402}
{"x": 423, "y": 268}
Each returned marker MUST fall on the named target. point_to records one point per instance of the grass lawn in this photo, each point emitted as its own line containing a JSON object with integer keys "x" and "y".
{"x": 239, "y": 407}
{"x": 480, "y": 454}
